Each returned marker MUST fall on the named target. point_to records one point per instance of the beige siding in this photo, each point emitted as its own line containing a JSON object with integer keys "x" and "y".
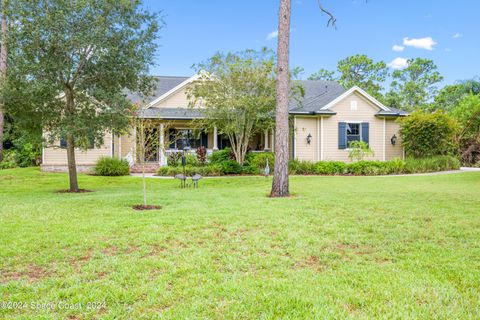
{"x": 303, "y": 127}
{"x": 393, "y": 151}
{"x": 365, "y": 113}
{"x": 128, "y": 144}
{"x": 58, "y": 156}
{"x": 177, "y": 99}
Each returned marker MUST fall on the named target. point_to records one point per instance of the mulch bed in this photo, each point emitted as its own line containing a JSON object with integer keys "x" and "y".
{"x": 79, "y": 191}
{"x": 148, "y": 207}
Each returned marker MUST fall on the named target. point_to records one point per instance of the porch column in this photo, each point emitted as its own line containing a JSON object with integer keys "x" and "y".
{"x": 265, "y": 134}
{"x": 161, "y": 145}
{"x": 215, "y": 138}
{"x": 272, "y": 140}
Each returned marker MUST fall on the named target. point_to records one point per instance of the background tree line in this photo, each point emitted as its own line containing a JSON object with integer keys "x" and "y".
{"x": 414, "y": 87}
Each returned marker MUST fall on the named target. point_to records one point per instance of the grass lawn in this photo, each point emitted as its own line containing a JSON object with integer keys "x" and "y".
{"x": 342, "y": 247}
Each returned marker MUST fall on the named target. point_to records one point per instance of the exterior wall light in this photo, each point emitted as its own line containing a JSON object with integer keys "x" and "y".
{"x": 309, "y": 138}
{"x": 393, "y": 139}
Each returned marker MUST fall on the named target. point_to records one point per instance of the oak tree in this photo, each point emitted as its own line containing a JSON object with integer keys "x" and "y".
{"x": 72, "y": 62}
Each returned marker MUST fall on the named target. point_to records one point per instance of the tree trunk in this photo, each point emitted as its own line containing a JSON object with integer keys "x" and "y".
{"x": 3, "y": 72}
{"x": 143, "y": 155}
{"x": 72, "y": 166}
{"x": 280, "y": 175}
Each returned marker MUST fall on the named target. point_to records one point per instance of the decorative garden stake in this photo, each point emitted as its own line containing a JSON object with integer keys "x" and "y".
{"x": 267, "y": 169}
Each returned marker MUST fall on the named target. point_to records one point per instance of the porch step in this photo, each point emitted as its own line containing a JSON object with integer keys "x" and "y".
{"x": 149, "y": 168}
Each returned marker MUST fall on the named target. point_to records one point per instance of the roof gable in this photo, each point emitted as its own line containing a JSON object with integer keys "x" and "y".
{"x": 162, "y": 85}
{"x": 173, "y": 90}
{"x": 362, "y": 93}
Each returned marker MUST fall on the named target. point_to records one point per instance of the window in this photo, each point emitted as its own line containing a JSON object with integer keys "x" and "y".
{"x": 90, "y": 142}
{"x": 185, "y": 138}
{"x": 353, "y": 132}
{"x": 349, "y": 132}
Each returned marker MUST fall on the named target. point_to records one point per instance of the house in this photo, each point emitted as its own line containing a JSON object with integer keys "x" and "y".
{"x": 325, "y": 120}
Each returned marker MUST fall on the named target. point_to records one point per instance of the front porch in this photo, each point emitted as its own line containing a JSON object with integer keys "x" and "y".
{"x": 182, "y": 136}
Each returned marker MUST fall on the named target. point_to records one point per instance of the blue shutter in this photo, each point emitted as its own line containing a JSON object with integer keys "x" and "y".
{"x": 171, "y": 137}
{"x": 365, "y": 132}
{"x": 342, "y": 135}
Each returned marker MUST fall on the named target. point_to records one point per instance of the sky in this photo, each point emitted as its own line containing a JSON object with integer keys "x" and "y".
{"x": 390, "y": 30}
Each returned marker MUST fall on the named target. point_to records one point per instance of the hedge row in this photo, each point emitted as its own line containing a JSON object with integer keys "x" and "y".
{"x": 371, "y": 168}
{"x": 397, "y": 166}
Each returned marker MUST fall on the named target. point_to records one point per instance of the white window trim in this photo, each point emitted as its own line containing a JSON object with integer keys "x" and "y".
{"x": 360, "y": 131}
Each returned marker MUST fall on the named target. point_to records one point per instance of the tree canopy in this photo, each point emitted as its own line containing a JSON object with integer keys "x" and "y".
{"x": 323, "y": 74}
{"x": 450, "y": 96}
{"x": 71, "y": 62}
{"x": 414, "y": 86}
{"x": 360, "y": 70}
{"x": 237, "y": 93}
{"x": 357, "y": 70}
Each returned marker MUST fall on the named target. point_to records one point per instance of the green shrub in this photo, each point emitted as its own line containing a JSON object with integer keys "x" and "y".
{"x": 395, "y": 166}
{"x": 191, "y": 160}
{"x": 231, "y": 167}
{"x": 173, "y": 158}
{"x": 211, "y": 170}
{"x": 330, "y": 167}
{"x": 259, "y": 160}
{"x": 163, "y": 171}
{"x": 250, "y": 170}
{"x": 431, "y": 164}
{"x": 364, "y": 167}
{"x": 358, "y": 150}
{"x": 428, "y": 134}
{"x": 221, "y": 156}
{"x": 27, "y": 155}
{"x": 107, "y": 166}
{"x": 301, "y": 167}
{"x": 9, "y": 159}
{"x": 467, "y": 113}
{"x": 208, "y": 170}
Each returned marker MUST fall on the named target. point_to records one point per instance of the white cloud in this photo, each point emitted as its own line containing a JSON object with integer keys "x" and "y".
{"x": 426, "y": 43}
{"x": 457, "y": 35}
{"x": 272, "y": 35}
{"x": 398, "y": 63}
{"x": 398, "y": 48}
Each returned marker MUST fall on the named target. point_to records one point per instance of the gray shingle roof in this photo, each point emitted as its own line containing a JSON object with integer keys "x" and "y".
{"x": 393, "y": 113}
{"x": 318, "y": 94}
{"x": 163, "y": 85}
{"x": 171, "y": 113}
